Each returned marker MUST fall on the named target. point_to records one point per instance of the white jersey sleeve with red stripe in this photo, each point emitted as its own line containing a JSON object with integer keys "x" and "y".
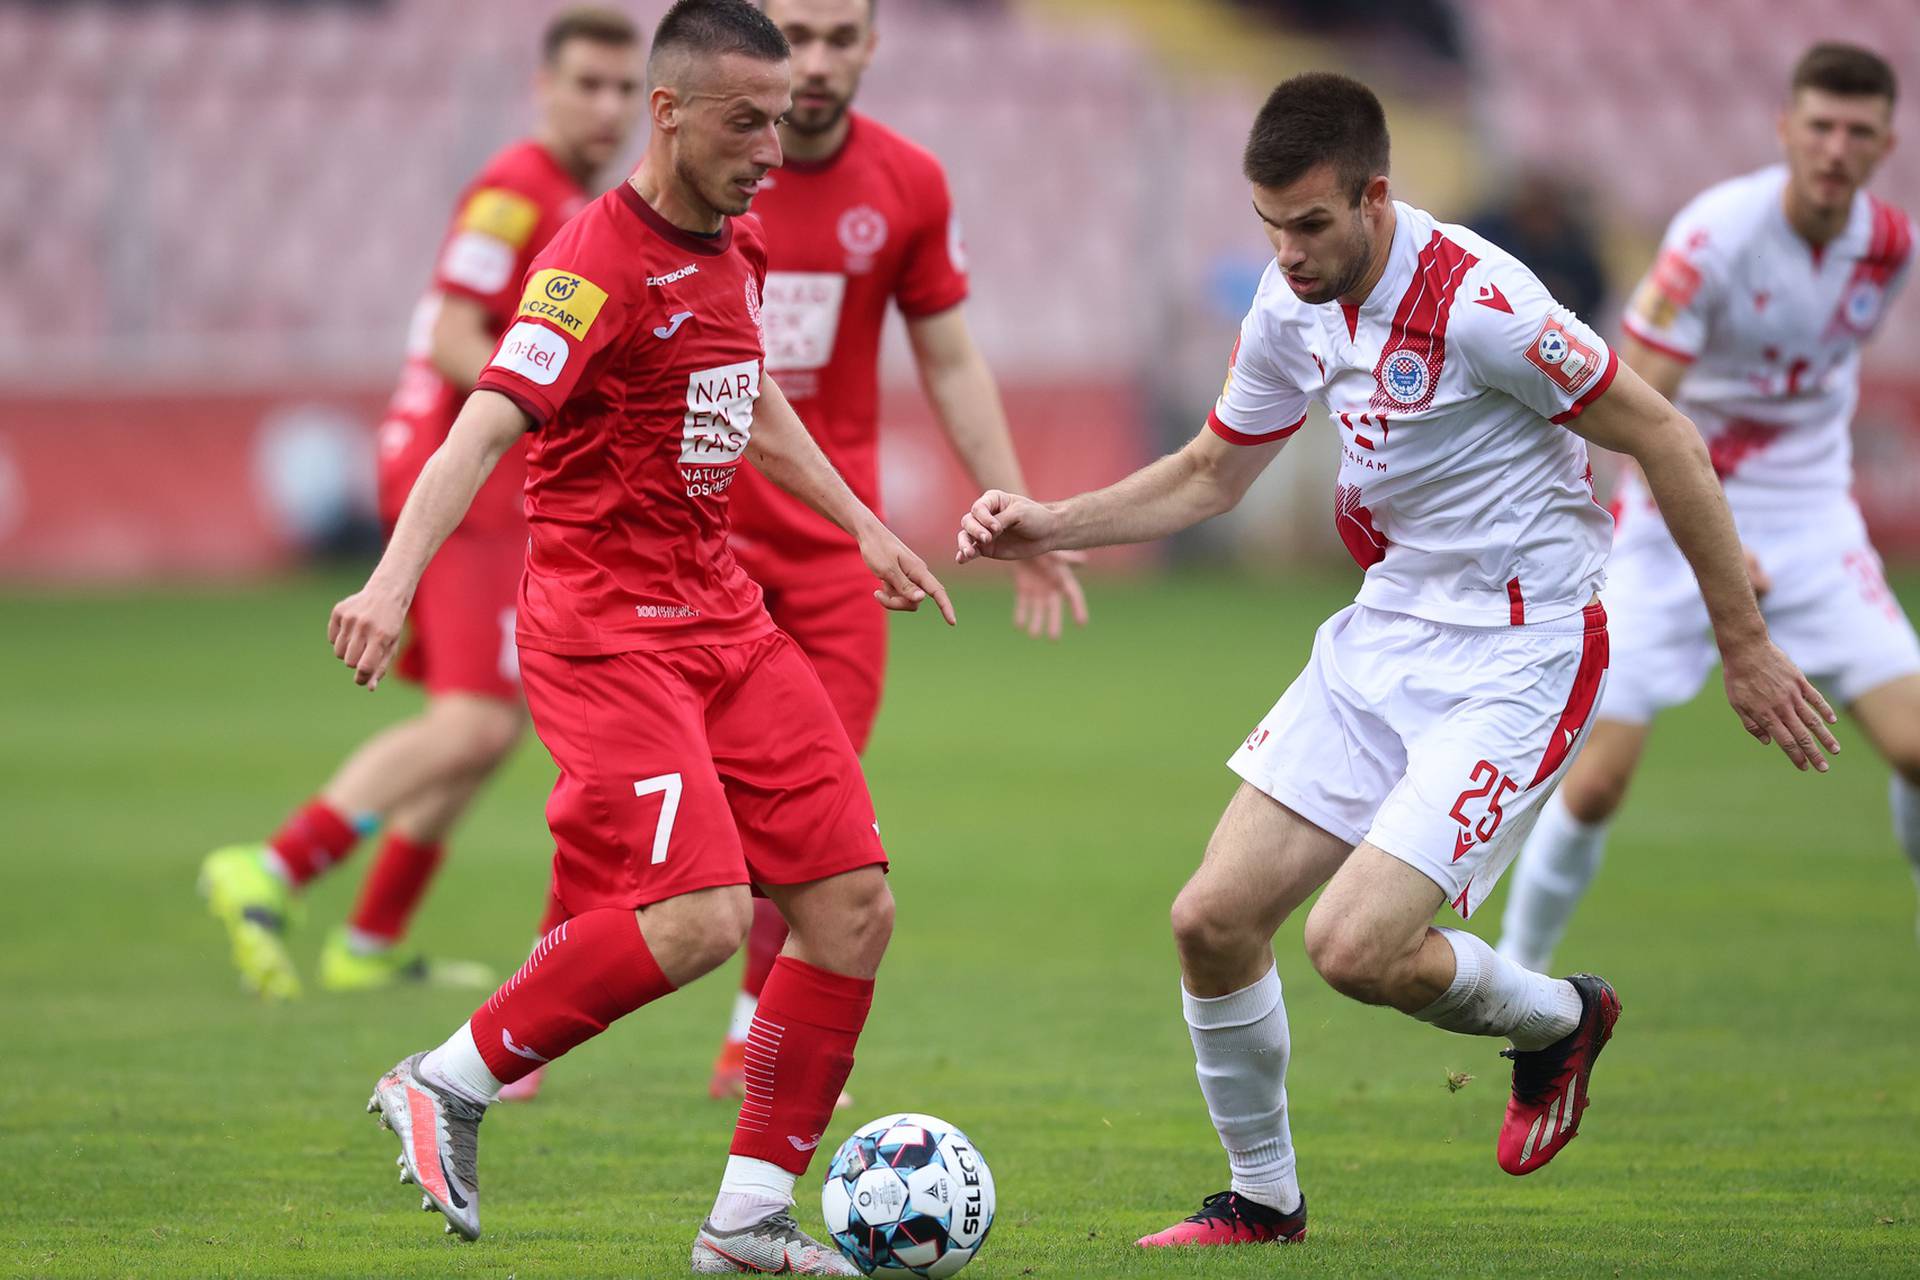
{"x": 1457, "y": 493}
{"x": 1260, "y": 403}
{"x": 1771, "y": 328}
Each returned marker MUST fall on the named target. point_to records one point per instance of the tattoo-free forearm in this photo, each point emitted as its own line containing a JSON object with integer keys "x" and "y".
{"x": 1162, "y": 498}
{"x": 486, "y": 427}
{"x": 1680, "y": 475}
{"x": 967, "y": 402}
{"x": 784, "y": 453}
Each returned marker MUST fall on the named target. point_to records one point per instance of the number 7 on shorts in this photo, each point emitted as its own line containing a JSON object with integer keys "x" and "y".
{"x": 668, "y": 785}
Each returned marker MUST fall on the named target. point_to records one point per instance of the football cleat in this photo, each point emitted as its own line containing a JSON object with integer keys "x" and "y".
{"x": 344, "y": 969}
{"x": 1550, "y": 1084}
{"x": 255, "y": 905}
{"x": 729, "y": 1079}
{"x": 1227, "y": 1217}
{"x": 775, "y": 1246}
{"x": 526, "y": 1088}
{"x": 439, "y": 1136}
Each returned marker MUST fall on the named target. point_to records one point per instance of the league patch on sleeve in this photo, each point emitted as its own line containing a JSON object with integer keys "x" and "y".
{"x": 1654, "y": 305}
{"x": 500, "y": 213}
{"x": 1675, "y": 278}
{"x": 1570, "y": 363}
{"x": 568, "y": 302}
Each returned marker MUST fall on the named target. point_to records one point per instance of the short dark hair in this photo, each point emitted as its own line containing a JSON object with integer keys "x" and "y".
{"x": 715, "y": 27}
{"x": 601, "y": 26}
{"x": 1314, "y": 119}
{"x": 1845, "y": 70}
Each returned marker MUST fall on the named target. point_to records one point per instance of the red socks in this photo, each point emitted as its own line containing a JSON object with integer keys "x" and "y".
{"x": 591, "y": 971}
{"x": 394, "y": 887}
{"x": 799, "y": 1055}
{"x": 764, "y": 941}
{"x": 313, "y": 839}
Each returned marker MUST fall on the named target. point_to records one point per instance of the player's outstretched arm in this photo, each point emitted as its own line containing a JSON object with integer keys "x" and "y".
{"x": 783, "y": 451}
{"x": 967, "y": 402}
{"x": 365, "y": 627}
{"x": 1774, "y": 700}
{"x": 1204, "y": 478}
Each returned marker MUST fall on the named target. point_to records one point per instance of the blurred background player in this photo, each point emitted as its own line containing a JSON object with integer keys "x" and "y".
{"x": 1752, "y": 320}
{"x": 857, "y": 216}
{"x": 1404, "y": 766}
{"x": 419, "y": 776}
{"x": 698, "y": 752}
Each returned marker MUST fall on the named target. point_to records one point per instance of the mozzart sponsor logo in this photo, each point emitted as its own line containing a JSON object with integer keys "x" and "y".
{"x": 536, "y": 354}
{"x": 566, "y": 301}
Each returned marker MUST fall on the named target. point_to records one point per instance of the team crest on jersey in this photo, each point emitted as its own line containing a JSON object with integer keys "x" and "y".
{"x": 863, "y": 233}
{"x": 1861, "y": 308}
{"x": 1405, "y": 377}
{"x": 1569, "y": 362}
{"x": 754, "y": 312}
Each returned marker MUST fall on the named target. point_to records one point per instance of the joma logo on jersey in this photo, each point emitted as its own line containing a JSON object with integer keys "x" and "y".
{"x": 719, "y": 417}
{"x": 564, "y": 300}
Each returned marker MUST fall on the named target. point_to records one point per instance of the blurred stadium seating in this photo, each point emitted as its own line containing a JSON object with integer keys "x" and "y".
{"x": 211, "y": 212}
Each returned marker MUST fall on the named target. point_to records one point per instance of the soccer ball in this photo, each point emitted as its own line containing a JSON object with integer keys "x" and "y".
{"x": 908, "y": 1193}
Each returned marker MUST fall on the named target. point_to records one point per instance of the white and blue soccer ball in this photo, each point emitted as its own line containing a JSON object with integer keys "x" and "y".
{"x": 908, "y": 1193}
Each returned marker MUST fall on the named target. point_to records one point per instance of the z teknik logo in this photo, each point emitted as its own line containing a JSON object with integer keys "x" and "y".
{"x": 1405, "y": 377}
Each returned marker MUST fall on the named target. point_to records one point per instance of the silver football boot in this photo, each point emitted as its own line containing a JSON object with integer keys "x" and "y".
{"x": 775, "y": 1246}
{"x": 439, "y": 1136}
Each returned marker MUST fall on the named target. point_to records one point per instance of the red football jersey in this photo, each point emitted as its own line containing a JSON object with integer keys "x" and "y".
{"x": 872, "y": 222}
{"x": 637, "y": 350}
{"x": 506, "y": 216}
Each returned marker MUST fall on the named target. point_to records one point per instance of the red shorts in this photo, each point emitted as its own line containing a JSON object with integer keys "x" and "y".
{"x": 685, "y": 769}
{"x": 462, "y": 617}
{"x": 827, "y": 605}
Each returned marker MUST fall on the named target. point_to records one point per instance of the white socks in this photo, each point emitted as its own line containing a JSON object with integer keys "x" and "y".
{"x": 457, "y": 1067}
{"x": 742, "y": 1024}
{"x": 751, "y": 1191}
{"x": 1493, "y": 996}
{"x": 1240, "y": 1046}
{"x": 1905, "y": 800}
{"x": 1559, "y": 861}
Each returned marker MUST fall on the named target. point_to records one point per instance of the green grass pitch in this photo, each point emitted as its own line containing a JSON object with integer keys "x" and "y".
{"x": 1759, "y": 1113}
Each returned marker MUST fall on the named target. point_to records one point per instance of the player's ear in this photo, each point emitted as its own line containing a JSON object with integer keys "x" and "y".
{"x": 663, "y": 108}
{"x": 1374, "y": 196}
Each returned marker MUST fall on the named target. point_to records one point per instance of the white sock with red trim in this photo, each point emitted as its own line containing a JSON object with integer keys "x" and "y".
{"x": 1558, "y": 863}
{"x": 1493, "y": 996}
{"x": 1240, "y": 1047}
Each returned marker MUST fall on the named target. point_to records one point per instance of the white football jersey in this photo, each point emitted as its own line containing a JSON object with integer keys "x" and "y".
{"x": 1458, "y": 493}
{"x": 1771, "y": 329}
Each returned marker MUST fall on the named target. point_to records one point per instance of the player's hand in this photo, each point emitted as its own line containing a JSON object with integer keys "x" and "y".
{"x": 1006, "y": 526}
{"x": 365, "y": 630}
{"x": 1757, "y": 573}
{"x": 1041, "y": 587}
{"x": 1778, "y": 704}
{"x": 904, "y": 577}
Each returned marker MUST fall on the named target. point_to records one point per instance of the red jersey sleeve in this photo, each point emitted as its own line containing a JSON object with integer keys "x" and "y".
{"x": 933, "y": 278}
{"x": 564, "y": 320}
{"x": 486, "y": 252}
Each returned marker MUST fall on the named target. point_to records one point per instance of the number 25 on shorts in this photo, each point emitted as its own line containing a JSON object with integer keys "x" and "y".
{"x": 668, "y": 787}
{"x": 1495, "y": 787}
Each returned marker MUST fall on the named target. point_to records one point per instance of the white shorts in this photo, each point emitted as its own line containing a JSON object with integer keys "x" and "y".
{"x": 1829, "y": 609}
{"x": 1434, "y": 743}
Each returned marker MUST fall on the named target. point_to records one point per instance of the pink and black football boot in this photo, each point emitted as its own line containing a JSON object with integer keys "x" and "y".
{"x": 1550, "y": 1084}
{"x": 1227, "y": 1217}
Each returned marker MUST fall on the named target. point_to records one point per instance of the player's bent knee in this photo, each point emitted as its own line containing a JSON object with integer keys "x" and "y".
{"x": 696, "y": 933}
{"x": 1202, "y": 928}
{"x": 1595, "y": 795}
{"x": 1350, "y": 959}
